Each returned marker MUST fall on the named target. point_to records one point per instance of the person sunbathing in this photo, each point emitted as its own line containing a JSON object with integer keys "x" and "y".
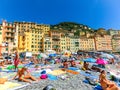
{"x": 24, "y": 75}
{"x": 73, "y": 64}
{"x": 94, "y": 68}
{"x": 106, "y": 84}
{"x": 86, "y": 66}
{"x": 2, "y": 63}
{"x": 65, "y": 64}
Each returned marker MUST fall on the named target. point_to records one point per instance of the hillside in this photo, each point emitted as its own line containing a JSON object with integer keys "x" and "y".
{"x": 72, "y": 27}
{"x": 76, "y": 28}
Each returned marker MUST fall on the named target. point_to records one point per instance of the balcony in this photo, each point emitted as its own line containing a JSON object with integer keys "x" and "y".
{"x": 56, "y": 38}
{"x": 55, "y": 46}
{"x": 23, "y": 43}
{"x": 9, "y": 36}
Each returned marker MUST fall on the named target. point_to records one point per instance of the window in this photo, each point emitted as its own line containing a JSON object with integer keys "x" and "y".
{"x": 32, "y": 46}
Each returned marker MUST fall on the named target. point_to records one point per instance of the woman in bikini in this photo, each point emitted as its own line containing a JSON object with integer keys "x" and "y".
{"x": 24, "y": 75}
{"x": 106, "y": 84}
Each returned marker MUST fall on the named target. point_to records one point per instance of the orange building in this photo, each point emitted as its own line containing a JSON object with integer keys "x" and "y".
{"x": 103, "y": 43}
{"x": 8, "y": 33}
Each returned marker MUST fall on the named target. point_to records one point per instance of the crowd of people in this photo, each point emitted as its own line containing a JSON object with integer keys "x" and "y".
{"x": 24, "y": 75}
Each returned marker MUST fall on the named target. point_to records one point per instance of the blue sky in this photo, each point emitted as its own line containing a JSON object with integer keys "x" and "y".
{"x": 94, "y": 13}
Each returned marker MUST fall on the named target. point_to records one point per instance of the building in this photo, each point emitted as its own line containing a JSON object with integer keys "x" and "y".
{"x": 46, "y": 44}
{"x": 103, "y": 43}
{"x": 68, "y": 43}
{"x": 113, "y": 32}
{"x": 8, "y": 35}
{"x": 74, "y": 44}
{"x": 30, "y": 36}
{"x": 0, "y": 39}
{"x": 116, "y": 43}
{"x": 87, "y": 44}
{"x": 63, "y": 43}
{"x": 55, "y": 36}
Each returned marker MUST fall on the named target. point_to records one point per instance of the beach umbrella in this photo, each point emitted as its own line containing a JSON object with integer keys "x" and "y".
{"x": 92, "y": 60}
{"x": 52, "y": 55}
{"x": 43, "y": 55}
{"x": 105, "y": 55}
{"x": 101, "y": 61}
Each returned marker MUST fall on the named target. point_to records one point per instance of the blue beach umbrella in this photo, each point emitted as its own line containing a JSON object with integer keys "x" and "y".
{"x": 92, "y": 60}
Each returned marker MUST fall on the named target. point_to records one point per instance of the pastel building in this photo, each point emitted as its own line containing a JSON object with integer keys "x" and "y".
{"x": 68, "y": 43}
{"x": 63, "y": 43}
{"x": 30, "y": 36}
{"x": 103, "y": 43}
{"x": 74, "y": 44}
{"x": 55, "y": 36}
{"x": 8, "y": 35}
{"x": 1, "y": 40}
{"x": 87, "y": 44}
{"x": 113, "y": 32}
{"x": 116, "y": 43}
{"x": 46, "y": 44}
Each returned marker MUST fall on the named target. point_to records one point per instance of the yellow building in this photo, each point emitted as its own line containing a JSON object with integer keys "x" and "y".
{"x": 30, "y": 36}
{"x": 44, "y": 28}
{"x": 63, "y": 43}
{"x": 74, "y": 44}
{"x": 87, "y": 44}
{"x": 46, "y": 44}
{"x": 68, "y": 43}
{"x": 103, "y": 43}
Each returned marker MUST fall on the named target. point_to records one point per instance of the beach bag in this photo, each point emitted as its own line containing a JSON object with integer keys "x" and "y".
{"x": 49, "y": 87}
{"x": 91, "y": 81}
{"x": 43, "y": 76}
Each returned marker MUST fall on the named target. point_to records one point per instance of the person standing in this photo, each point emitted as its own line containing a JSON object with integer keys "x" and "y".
{"x": 16, "y": 60}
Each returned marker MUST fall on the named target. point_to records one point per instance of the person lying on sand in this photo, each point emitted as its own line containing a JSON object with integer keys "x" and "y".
{"x": 2, "y": 63}
{"x": 65, "y": 64}
{"x": 24, "y": 75}
{"x": 73, "y": 63}
{"x": 94, "y": 68}
{"x": 86, "y": 66}
{"x": 106, "y": 84}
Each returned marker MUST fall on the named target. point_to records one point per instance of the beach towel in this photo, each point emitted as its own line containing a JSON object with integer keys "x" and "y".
{"x": 3, "y": 80}
{"x": 72, "y": 72}
{"x": 29, "y": 64}
{"x": 52, "y": 77}
{"x": 98, "y": 87}
{"x": 13, "y": 67}
{"x": 89, "y": 75}
{"x": 8, "y": 85}
{"x": 57, "y": 72}
{"x": 73, "y": 68}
